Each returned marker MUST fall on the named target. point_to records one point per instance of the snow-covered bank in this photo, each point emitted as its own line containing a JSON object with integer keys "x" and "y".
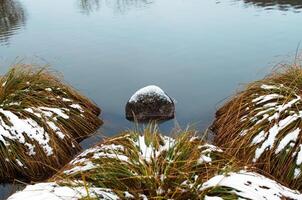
{"x": 148, "y": 165}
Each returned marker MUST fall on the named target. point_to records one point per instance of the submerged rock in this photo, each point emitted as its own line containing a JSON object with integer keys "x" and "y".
{"x": 148, "y": 165}
{"x": 150, "y": 103}
{"x": 42, "y": 121}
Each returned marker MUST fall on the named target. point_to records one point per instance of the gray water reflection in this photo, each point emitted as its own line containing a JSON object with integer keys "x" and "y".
{"x": 12, "y": 18}
{"x": 89, "y": 6}
{"x": 118, "y": 6}
{"x": 8, "y": 189}
{"x": 284, "y": 5}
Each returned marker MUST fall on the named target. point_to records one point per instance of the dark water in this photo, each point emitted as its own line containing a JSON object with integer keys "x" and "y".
{"x": 198, "y": 51}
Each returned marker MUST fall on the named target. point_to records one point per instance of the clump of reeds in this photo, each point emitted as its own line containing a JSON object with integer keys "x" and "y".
{"x": 262, "y": 125}
{"x": 41, "y": 122}
{"x": 147, "y": 165}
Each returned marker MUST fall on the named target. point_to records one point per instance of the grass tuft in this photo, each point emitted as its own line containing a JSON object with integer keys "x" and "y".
{"x": 145, "y": 163}
{"x": 41, "y": 122}
{"x": 262, "y": 124}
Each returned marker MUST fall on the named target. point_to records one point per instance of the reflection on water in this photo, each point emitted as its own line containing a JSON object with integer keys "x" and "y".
{"x": 8, "y": 189}
{"x": 119, "y": 6}
{"x": 12, "y": 17}
{"x": 277, "y": 4}
{"x": 88, "y": 6}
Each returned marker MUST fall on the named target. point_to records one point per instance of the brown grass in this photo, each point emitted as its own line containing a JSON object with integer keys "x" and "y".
{"x": 25, "y": 92}
{"x": 244, "y": 118}
{"x": 177, "y": 170}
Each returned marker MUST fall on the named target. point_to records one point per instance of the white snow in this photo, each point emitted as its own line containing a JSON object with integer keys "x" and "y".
{"x": 149, "y": 152}
{"x": 88, "y": 165}
{"x": 128, "y": 195}
{"x": 3, "y": 84}
{"x": 205, "y": 154}
{"x": 77, "y": 106}
{"x": 57, "y": 111}
{"x": 269, "y": 87}
{"x": 52, "y": 191}
{"x": 297, "y": 173}
{"x": 83, "y": 163}
{"x": 48, "y": 112}
{"x": 290, "y": 137}
{"x": 212, "y": 198}
{"x": 56, "y": 129}
{"x": 273, "y": 107}
{"x": 149, "y": 90}
{"x": 66, "y": 100}
{"x": 252, "y": 186}
{"x": 19, "y": 163}
{"x": 265, "y": 98}
{"x": 299, "y": 156}
{"x": 19, "y": 127}
{"x": 272, "y": 134}
{"x": 259, "y": 138}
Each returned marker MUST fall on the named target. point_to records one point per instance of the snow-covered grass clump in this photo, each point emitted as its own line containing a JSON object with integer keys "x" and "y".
{"x": 262, "y": 125}
{"x": 147, "y": 165}
{"x": 41, "y": 122}
{"x": 246, "y": 185}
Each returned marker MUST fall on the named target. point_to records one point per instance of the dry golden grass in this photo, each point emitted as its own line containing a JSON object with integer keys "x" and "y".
{"x": 145, "y": 163}
{"x": 42, "y": 120}
{"x": 261, "y": 125}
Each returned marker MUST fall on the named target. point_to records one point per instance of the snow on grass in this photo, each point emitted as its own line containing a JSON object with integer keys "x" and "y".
{"x": 279, "y": 111}
{"x": 252, "y": 186}
{"x": 212, "y": 198}
{"x": 265, "y": 98}
{"x": 206, "y": 153}
{"x": 84, "y": 161}
{"x": 299, "y": 156}
{"x": 18, "y": 127}
{"x": 53, "y": 191}
{"x": 148, "y": 152}
{"x": 269, "y": 87}
{"x": 297, "y": 173}
{"x": 246, "y": 185}
{"x": 149, "y": 91}
{"x": 13, "y": 127}
{"x": 289, "y": 138}
{"x": 77, "y": 106}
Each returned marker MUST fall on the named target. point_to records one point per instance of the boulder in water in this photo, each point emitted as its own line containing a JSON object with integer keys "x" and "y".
{"x": 150, "y": 103}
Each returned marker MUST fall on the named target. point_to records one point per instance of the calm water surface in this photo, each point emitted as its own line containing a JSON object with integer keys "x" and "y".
{"x": 198, "y": 51}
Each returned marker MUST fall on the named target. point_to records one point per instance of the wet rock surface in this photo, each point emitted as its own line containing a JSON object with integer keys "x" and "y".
{"x": 150, "y": 103}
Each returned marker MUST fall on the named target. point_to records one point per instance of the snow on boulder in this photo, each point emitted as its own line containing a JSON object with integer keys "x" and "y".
{"x": 150, "y": 103}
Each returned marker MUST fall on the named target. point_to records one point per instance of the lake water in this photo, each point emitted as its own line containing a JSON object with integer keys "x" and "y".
{"x": 198, "y": 51}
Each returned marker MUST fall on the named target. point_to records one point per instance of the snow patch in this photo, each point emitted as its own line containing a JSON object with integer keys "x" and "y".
{"x": 252, "y": 186}
{"x": 149, "y": 90}
{"x": 53, "y": 191}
